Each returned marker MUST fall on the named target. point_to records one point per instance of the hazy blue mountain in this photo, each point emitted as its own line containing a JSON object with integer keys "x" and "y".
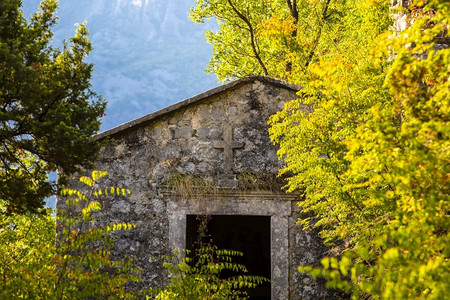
{"x": 147, "y": 53}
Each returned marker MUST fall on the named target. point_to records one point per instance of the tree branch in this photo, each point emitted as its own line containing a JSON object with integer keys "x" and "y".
{"x": 319, "y": 34}
{"x": 293, "y": 8}
{"x": 294, "y": 13}
{"x": 252, "y": 37}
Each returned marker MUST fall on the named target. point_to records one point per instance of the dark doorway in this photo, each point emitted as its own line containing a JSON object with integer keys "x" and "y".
{"x": 247, "y": 234}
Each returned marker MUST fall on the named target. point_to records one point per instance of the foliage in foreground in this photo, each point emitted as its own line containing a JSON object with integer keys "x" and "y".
{"x": 27, "y": 249}
{"x": 48, "y": 111}
{"x": 75, "y": 264}
{"x": 199, "y": 277}
{"x": 373, "y": 157}
{"x": 372, "y": 153}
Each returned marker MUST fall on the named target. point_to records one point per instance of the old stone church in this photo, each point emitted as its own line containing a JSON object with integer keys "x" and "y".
{"x": 211, "y": 155}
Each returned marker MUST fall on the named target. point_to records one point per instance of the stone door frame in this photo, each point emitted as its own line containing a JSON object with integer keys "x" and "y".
{"x": 235, "y": 203}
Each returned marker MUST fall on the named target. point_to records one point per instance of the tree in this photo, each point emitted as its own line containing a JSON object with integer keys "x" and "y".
{"x": 372, "y": 157}
{"x": 38, "y": 263}
{"x": 48, "y": 111}
{"x": 277, "y": 38}
{"x": 238, "y": 50}
{"x": 27, "y": 250}
{"x": 370, "y": 152}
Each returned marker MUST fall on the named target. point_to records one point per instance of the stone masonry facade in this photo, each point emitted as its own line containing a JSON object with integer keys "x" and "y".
{"x": 167, "y": 159}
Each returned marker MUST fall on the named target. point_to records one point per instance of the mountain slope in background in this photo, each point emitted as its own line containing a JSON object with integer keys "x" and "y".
{"x": 147, "y": 53}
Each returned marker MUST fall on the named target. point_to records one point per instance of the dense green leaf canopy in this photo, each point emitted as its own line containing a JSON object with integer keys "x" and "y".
{"x": 277, "y": 38}
{"x": 367, "y": 141}
{"x": 48, "y": 111}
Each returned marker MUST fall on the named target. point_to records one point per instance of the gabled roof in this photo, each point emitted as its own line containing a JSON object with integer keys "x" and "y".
{"x": 184, "y": 103}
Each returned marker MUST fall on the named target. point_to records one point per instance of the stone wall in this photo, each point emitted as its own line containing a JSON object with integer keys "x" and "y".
{"x": 179, "y": 143}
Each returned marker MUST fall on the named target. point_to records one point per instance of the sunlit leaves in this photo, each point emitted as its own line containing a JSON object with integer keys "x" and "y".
{"x": 77, "y": 264}
{"x": 27, "y": 247}
{"x": 199, "y": 277}
{"x": 239, "y": 47}
{"x": 371, "y": 154}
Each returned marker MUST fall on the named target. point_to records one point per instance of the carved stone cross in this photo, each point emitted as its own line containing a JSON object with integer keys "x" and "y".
{"x": 228, "y": 145}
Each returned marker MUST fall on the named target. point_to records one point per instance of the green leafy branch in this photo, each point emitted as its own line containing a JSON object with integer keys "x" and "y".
{"x": 198, "y": 276}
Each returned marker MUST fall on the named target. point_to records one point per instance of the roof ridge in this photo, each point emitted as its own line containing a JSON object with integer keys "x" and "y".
{"x": 186, "y": 102}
